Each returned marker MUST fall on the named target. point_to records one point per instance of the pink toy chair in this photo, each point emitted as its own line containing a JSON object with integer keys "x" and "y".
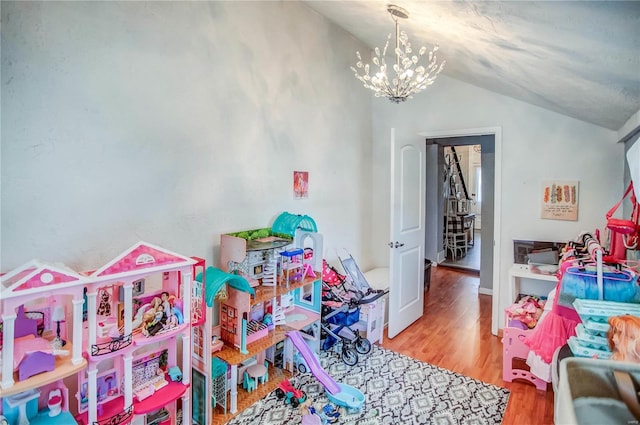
{"x": 514, "y": 348}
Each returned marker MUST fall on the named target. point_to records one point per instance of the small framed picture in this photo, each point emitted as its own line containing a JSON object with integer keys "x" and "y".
{"x": 300, "y": 184}
{"x": 138, "y": 287}
{"x": 120, "y": 315}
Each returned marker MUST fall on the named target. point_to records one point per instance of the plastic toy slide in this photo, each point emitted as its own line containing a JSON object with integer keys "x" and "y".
{"x": 314, "y": 364}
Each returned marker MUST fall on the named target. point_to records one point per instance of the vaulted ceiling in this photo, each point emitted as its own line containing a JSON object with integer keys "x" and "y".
{"x": 577, "y": 58}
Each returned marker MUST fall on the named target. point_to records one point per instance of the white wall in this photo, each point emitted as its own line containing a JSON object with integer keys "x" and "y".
{"x": 174, "y": 122}
{"x": 536, "y": 145}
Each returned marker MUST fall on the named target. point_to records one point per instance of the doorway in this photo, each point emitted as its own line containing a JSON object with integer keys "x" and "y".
{"x": 462, "y": 194}
{"x": 490, "y": 139}
{"x": 436, "y": 146}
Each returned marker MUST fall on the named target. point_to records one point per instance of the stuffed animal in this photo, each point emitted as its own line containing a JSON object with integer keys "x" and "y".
{"x": 624, "y": 338}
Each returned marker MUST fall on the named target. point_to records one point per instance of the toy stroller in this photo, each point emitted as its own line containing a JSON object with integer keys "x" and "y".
{"x": 341, "y": 302}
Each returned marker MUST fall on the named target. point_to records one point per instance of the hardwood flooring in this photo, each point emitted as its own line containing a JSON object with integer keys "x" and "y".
{"x": 455, "y": 333}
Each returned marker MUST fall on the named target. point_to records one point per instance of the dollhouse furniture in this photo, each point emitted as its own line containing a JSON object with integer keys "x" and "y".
{"x": 21, "y": 401}
{"x": 32, "y": 354}
{"x": 257, "y": 372}
{"x": 54, "y": 402}
{"x": 175, "y": 373}
{"x": 249, "y": 384}
{"x": 291, "y": 265}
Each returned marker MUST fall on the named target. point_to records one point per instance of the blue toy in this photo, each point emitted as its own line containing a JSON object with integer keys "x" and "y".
{"x": 175, "y": 373}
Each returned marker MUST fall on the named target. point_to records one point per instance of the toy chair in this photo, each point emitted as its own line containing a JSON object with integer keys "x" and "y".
{"x": 264, "y": 378}
{"x": 248, "y": 383}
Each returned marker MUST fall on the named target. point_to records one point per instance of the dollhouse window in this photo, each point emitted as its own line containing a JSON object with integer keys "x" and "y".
{"x": 198, "y": 342}
{"x": 306, "y": 294}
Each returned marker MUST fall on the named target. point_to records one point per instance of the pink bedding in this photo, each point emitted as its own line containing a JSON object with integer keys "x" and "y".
{"x": 26, "y": 345}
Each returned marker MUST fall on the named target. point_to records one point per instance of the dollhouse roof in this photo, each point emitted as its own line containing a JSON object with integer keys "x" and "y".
{"x": 142, "y": 257}
{"x": 215, "y": 280}
{"x": 37, "y": 276}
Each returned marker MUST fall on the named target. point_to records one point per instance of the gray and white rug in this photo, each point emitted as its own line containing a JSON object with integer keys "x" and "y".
{"x": 398, "y": 390}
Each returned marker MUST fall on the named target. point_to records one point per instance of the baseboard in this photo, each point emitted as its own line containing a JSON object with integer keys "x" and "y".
{"x": 485, "y": 291}
{"x": 441, "y": 256}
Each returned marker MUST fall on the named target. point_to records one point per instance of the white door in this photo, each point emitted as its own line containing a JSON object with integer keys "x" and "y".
{"x": 406, "y": 246}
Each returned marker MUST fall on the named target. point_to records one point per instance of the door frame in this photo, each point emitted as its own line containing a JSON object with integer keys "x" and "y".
{"x": 496, "y": 316}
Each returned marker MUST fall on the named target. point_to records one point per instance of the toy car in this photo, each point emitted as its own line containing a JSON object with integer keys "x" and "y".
{"x": 291, "y": 394}
{"x": 300, "y": 363}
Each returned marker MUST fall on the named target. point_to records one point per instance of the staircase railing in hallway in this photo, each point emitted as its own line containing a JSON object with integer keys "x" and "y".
{"x": 460, "y": 175}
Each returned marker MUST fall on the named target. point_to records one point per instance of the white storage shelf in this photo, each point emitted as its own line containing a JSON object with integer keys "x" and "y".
{"x": 523, "y": 280}
{"x": 372, "y": 320}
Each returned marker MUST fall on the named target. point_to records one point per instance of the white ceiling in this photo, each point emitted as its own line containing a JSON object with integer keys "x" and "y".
{"x": 577, "y": 58}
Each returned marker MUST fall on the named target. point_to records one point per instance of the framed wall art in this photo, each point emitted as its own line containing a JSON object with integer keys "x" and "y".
{"x": 300, "y": 184}
{"x": 559, "y": 200}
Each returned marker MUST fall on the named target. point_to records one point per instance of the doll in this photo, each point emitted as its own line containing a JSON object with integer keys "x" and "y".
{"x": 172, "y": 321}
{"x": 624, "y": 338}
{"x": 157, "y": 323}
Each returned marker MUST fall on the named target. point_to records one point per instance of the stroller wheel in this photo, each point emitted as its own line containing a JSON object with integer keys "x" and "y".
{"x": 363, "y": 346}
{"x": 349, "y": 356}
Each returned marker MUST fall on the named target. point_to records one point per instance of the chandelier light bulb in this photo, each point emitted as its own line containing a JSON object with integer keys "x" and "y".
{"x": 409, "y": 77}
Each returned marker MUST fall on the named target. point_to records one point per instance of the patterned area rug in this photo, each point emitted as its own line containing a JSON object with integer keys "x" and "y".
{"x": 398, "y": 390}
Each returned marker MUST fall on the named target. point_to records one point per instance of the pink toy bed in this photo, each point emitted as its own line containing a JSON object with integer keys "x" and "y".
{"x": 31, "y": 354}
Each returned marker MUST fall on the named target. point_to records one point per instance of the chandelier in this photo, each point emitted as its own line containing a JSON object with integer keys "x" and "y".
{"x": 409, "y": 76}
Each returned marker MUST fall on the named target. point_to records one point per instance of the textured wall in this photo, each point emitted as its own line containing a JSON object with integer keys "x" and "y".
{"x": 173, "y": 122}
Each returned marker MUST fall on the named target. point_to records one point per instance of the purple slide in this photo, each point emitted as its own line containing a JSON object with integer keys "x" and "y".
{"x": 314, "y": 364}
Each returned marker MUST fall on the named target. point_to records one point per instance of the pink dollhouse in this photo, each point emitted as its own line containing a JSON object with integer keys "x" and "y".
{"x": 138, "y": 313}
{"x": 40, "y": 303}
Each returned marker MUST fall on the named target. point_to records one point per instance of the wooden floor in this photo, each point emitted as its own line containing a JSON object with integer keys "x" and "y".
{"x": 455, "y": 333}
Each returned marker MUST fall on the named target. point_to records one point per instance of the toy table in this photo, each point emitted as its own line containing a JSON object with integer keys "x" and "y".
{"x": 257, "y": 371}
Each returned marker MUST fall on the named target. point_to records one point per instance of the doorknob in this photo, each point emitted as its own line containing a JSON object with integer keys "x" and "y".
{"x": 398, "y": 244}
